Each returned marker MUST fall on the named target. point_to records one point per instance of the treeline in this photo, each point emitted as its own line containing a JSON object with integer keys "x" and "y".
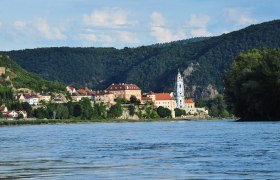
{"x": 252, "y": 88}
{"x": 217, "y": 107}
{"x": 150, "y": 67}
{"x": 85, "y": 110}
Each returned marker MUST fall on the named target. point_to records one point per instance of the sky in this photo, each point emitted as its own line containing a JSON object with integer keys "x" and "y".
{"x": 26, "y": 24}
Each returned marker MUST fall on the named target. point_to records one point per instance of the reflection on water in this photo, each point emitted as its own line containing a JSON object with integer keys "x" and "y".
{"x": 156, "y": 150}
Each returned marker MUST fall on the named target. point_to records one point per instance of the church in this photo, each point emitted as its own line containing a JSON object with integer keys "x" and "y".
{"x": 186, "y": 104}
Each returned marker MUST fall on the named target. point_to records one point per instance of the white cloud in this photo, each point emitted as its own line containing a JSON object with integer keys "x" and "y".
{"x": 162, "y": 33}
{"x": 108, "y": 17}
{"x": 88, "y": 37}
{"x": 240, "y": 16}
{"x": 47, "y": 31}
{"x": 110, "y": 38}
{"x": 198, "y": 25}
{"x": 128, "y": 37}
{"x": 36, "y": 28}
{"x": 199, "y": 21}
{"x": 19, "y": 24}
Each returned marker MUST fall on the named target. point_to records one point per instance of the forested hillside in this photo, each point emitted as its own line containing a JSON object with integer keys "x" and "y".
{"x": 203, "y": 61}
{"x": 15, "y": 77}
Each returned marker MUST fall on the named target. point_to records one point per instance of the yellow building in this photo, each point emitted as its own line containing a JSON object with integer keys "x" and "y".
{"x": 189, "y": 103}
{"x": 44, "y": 97}
{"x": 165, "y": 100}
{"x": 125, "y": 91}
{"x": 104, "y": 97}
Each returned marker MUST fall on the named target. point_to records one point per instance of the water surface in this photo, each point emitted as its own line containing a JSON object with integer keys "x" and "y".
{"x": 153, "y": 150}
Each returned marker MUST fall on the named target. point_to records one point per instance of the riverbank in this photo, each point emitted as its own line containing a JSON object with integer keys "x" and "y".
{"x": 74, "y": 121}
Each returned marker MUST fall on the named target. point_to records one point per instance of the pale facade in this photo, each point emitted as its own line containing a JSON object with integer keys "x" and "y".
{"x": 31, "y": 99}
{"x": 125, "y": 91}
{"x": 165, "y": 100}
{"x": 104, "y": 97}
{"x": 45, "y": 97}
{"x": 191, "y": 109}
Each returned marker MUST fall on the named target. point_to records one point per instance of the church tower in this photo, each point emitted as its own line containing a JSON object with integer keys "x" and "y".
{"x": 179, "y": 91}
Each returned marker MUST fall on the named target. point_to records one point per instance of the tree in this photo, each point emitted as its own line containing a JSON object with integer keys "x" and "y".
{"x": 252, "y": 88}
{"x": 115, "y": 111}
{"x": 99, "y": 110}
{"x": 131, "y": 110}
{"x": 40, "y": 113}
{"x": 134, "y": 100}
{"x": 77, "y": 110}
{"x": 62, "y": 111}
{"x": 16, "y": 106}
{"x": 163, "y": 112}
{"x": 20, "y": 116}
{"x": 87, "y": 110}
{"x": 179, "y": 112}
{"x": 28, "y": 108}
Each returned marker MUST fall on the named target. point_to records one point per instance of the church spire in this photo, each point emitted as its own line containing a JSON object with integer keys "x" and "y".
{"x": 179, "y": 91}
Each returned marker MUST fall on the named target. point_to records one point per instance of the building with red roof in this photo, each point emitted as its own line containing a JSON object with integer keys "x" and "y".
{"x": 125, "y": 91}
{"x": 165, "y": 100}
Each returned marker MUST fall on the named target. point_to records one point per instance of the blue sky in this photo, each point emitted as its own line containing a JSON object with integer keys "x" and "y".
{"x": 123, "y": 23}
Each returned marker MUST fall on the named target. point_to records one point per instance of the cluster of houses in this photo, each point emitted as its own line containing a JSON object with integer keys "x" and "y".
{"x": 108, "y": 96}
{"x": 13, "y": 113}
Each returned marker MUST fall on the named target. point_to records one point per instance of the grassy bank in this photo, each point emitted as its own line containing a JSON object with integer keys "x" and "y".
{"x": 70, "y": 121}
{"x": 73, "y": 121}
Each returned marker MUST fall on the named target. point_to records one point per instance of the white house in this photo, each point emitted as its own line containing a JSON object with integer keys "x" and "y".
{"x": 70, "y": 89}
{"x": 15, "y": 114}
{"x": 31, "y": 99}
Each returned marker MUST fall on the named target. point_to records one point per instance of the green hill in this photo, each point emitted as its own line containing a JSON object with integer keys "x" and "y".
{"x": 17, "y": 77}
{"x": 203, "y": 61}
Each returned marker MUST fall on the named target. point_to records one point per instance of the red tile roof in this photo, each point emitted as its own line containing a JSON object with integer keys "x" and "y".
{"x": 85, "y": 91}
{"x": 117, "y": 87}
{"x": 28, "y": 96}
{"x": 189, "y": 101}
{"x": 163, "y": 96}
{"x": 146, "y": 99}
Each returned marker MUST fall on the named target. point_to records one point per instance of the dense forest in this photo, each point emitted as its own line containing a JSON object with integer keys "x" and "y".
{"x": 203, "y": 61}
{"x": 16, "y": 77}
{"x": 252, "y": 88}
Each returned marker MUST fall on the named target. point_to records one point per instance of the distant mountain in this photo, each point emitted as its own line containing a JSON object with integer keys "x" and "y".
{"x": 203, "y": 61}
{"x": 17, "y": 77}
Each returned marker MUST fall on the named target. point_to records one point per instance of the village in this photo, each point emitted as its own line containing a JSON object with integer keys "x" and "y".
{"x": 107, "y": 97}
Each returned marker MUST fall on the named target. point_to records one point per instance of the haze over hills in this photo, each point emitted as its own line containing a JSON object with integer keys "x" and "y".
{"x": 203, "y": 61}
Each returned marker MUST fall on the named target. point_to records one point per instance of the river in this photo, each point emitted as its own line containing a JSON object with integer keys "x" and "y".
{"x": 144, "y": 150}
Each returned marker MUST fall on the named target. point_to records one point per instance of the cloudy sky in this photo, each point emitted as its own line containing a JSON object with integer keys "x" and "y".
{"x": 123, "y": 23}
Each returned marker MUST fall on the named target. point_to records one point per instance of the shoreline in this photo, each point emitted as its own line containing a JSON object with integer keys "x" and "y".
{"x": 76, "y": 121}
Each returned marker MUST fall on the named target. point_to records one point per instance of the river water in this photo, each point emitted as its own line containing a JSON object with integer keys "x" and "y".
{"x": 152, "y": 150}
